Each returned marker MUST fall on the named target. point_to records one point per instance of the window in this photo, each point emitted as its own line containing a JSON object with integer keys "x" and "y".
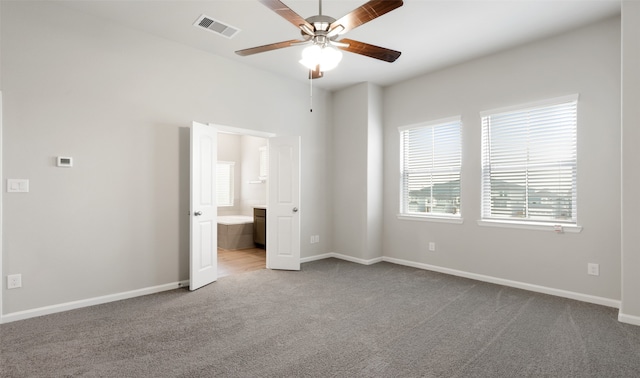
{"x": 431, "y": 159}
{"x": 224, "y": 183}
{"x": 529, "y": 162}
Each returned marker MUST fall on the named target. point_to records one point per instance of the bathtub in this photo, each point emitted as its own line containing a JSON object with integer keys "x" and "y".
{"x": 235, "y": 231}
{"x": 234, "y": 219}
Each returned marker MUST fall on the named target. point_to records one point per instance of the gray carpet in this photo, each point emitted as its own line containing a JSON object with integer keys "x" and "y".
{"x": 332, "y": 319}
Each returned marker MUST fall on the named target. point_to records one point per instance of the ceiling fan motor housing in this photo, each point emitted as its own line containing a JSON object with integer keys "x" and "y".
{"x": 321, "y": 31}
{"x": 321, "y": 23}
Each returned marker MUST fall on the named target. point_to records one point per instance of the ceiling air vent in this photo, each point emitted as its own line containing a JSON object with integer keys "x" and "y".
{"x": 216, "y": 26}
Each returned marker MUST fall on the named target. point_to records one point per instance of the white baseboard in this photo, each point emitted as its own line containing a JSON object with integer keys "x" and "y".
{"x": 500, "y": 281}
{"x": 341, "y": 257}
{"x": 629, "y": 319}
{"x": 357, "y": 260}
{"x": 21, "y": 315}
{"x": 480, "y": 277}
{"x": 316, "y": 258}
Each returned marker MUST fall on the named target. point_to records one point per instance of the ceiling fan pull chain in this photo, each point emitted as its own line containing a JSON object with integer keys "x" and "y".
{"x": 310, "y": 91}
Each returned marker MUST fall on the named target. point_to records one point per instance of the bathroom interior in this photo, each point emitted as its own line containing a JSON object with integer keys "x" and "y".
{"x": 241, "y": 178}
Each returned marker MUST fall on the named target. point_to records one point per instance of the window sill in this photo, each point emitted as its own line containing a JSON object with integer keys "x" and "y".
{"x": 430, "y": 218}
{"x": 566, "y": 228}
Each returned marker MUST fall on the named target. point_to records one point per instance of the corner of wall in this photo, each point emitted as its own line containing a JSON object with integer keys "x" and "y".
{"x": 358, "y": 146}
{"x": 630, "y": 206}
{"x": 375, "y": 176}
{"x": 1, "y": 209}
{"x": 1, "y": 176}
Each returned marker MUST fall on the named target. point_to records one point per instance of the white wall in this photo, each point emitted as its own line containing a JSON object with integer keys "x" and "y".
{"x": 120, "y": 102}
{"x": 630, "y": 309}
{"x": 585, "y": 61}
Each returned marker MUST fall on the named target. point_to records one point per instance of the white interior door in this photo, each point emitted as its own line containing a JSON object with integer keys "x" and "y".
{"x": 203, "y": 210}
{"x": 283, "y": 210}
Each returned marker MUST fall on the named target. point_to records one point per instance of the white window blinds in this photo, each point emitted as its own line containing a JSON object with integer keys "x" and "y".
{"x": 529, "y": 162}
{"x": 431, "y": 158}
{"x": 224, "y": 183}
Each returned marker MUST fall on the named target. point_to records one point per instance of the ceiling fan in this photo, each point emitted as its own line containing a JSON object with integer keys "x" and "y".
{"x": 321, "y": 33}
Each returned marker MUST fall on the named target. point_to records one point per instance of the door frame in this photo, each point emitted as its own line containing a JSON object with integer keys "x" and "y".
{"x": 238, "y": 130}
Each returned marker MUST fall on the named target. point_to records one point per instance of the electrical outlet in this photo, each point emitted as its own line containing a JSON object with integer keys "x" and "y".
{"x": 14, "y": 281}
{"x": 593, "y": 269}
{"x": 432, "y": 246}
{"x": 317, "y": 238}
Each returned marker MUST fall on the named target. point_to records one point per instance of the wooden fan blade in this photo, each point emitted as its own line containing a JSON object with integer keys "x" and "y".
{"x": 316, "y": 74}
{"x": 287, "y": 13}
{"x": 265, "y": 48}
{"x": 365, "y": 13}
{"x": 371, "y": 51}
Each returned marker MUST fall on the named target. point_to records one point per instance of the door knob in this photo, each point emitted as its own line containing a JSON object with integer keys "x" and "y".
{"x": 295, "y": 209}
{"x": 197, "y": 213}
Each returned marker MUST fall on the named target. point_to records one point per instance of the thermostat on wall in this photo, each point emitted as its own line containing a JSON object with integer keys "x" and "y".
{"x": 65, "y": 161}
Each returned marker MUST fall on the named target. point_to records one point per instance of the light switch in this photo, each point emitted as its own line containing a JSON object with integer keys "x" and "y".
{"x": 17, "y": 185}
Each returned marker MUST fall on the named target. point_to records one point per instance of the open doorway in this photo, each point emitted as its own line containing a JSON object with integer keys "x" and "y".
{"x": 282, "y": 218}
{"x": 241, "y": 180}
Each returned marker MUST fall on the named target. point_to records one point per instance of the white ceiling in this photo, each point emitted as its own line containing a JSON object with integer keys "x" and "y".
{"x": 431, "y": 34}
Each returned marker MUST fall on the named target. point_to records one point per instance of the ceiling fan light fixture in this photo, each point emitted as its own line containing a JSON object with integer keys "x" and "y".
{"x": 327, "y": 57}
